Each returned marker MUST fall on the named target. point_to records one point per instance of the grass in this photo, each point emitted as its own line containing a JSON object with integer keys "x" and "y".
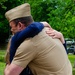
{"x": 2, "y": 63}
{"x": 2, "y": 66}
{"x": 72, "y": 60}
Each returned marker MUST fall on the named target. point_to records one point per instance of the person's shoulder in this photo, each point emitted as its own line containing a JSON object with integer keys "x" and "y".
{"x": 26, "y": 43}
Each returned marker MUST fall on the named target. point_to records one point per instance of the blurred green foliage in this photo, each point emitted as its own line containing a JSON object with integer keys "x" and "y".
{"x": 60, "y": 14}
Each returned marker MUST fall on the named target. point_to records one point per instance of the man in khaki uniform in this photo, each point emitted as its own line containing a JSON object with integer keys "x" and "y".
{"x": 43, "y": 54}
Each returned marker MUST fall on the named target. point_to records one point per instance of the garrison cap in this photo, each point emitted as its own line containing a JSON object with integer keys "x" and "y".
{"x": 18, "y": 12}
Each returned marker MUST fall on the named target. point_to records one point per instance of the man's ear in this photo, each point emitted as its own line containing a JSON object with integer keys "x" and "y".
{"x": 20, "y": 26}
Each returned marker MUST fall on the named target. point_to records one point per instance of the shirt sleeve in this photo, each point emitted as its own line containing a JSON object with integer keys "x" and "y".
{"x": 24, "y": 54}
{"x": 65, "y": 46}
{"x": 30, "y": 31}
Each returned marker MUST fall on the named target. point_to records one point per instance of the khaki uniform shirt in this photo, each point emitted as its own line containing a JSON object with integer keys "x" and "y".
{"x": 44, "y": 55}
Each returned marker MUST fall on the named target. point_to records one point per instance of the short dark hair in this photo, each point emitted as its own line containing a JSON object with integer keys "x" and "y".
{"x": 25, "y": 20}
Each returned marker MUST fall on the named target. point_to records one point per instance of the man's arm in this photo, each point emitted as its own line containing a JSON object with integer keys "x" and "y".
{"x": 13, "y": 69}
{"x": 30, "y": 31}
